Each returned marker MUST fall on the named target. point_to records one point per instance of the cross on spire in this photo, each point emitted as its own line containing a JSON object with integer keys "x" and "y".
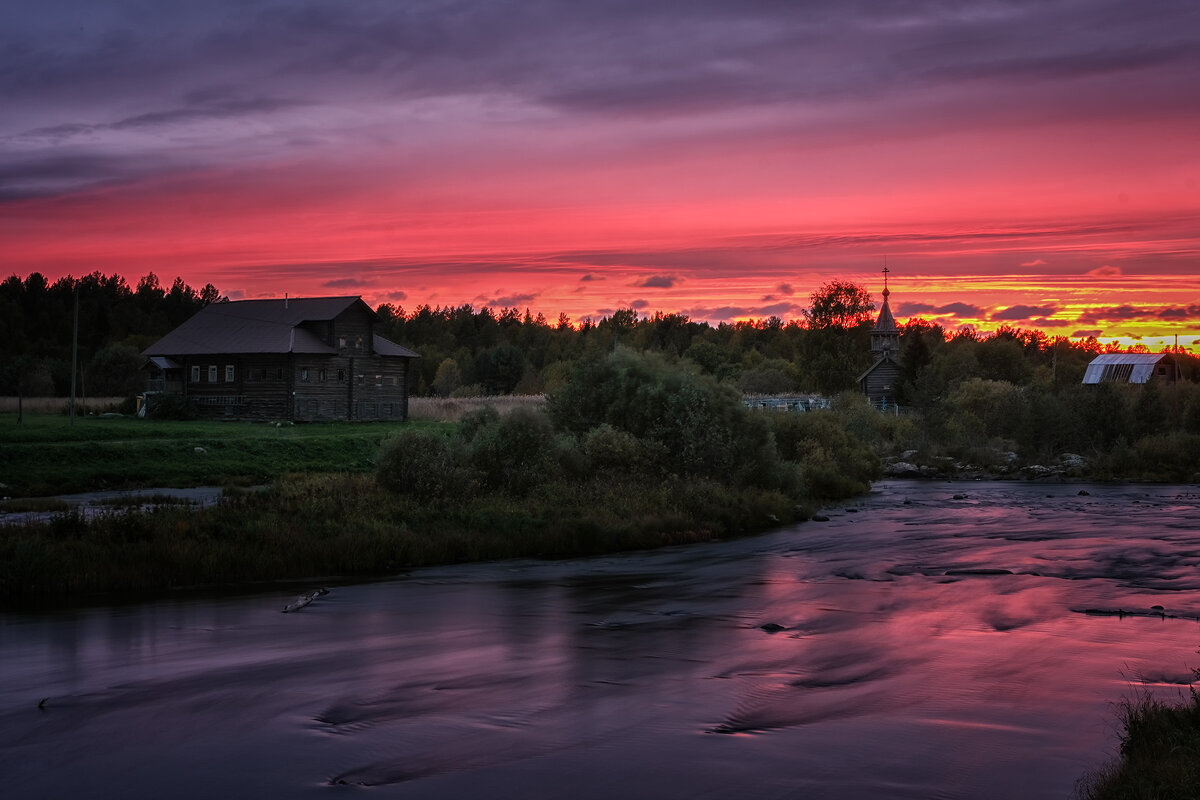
{"x": 885, "y": 274}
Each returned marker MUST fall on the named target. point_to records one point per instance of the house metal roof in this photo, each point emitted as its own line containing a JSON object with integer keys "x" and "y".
{"x": 263, "y": 326}
{"x": 1111, "y": 366}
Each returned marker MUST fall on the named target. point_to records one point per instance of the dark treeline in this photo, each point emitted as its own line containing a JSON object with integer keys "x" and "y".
{"x": 116, "y": 323}
{"x": 1013, "y": 384}
{"x": 983, "y": 400}
{"x": 468, "y": 351}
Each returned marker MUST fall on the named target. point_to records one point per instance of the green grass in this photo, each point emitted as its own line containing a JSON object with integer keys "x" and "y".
{"x": 45, "y": 455}
{"x": 1160, "y": 753}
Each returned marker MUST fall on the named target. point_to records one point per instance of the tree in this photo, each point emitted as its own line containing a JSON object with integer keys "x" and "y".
{"x": 211, "y": 294}
{"x": 447, "y": 379}
{"x": 115, "y": 371}
{"x": 839, "y": 304}
{"x": 699, "y": 426}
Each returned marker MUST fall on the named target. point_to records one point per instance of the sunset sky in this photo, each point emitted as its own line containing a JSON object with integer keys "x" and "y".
{"x": 1035, "y": 164}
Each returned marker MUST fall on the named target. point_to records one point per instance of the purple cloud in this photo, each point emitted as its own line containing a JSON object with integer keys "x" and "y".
{"x": 726, "y": 313}
{"x": 1179, "y": 313}
{"x": 961, "y": 310}
{"x": 511, "y": 301}
{"x": 347, "y": 283}
{"x": 657, "y": 282}
{"x": 1128, "y": 312}
{"x": 957, "y": 309}
{"x": 1016, "y": 313}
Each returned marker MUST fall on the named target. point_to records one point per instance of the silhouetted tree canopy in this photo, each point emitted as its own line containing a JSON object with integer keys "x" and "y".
{"x": 839, "y": 304}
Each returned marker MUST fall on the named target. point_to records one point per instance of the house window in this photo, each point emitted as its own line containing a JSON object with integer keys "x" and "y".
{"x": 342, "y": 342}
{"x": 195, "y": 373}
{"x": 229, "y": 373}
{"x": 321, "y": 376}
{"x": 341, "y": 376}
{"x": 358, "y": 343}
{"x": 212, "y": 373}
{"x": 279, "y": 374}
{"x": 304, "y": 374}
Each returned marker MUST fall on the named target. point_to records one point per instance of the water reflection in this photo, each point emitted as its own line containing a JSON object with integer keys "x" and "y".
{"x": 921, "y": 647}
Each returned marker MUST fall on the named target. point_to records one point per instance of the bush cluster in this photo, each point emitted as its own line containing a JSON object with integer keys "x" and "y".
{"x": 632, "y": 418}
{"x": 1144, "y": 432}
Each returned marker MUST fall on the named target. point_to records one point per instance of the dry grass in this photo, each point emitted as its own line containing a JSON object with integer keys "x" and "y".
{"x": 451, "y": 409}
{"x": 58, "y": 405}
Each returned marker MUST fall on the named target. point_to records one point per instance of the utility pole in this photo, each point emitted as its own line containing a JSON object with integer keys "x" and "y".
{"x": 74, "y": 353}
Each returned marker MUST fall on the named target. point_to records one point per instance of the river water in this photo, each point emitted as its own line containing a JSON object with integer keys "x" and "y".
{"x": 834, "y": 659}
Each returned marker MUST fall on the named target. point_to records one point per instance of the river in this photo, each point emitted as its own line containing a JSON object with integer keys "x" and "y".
{"x": 879, "y": 654}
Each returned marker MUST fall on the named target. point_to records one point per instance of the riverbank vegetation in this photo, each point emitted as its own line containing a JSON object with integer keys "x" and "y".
{"x": 635, "y": 451}
{"x": 1016, "y": 399}
{"x": 1159, "y": 756}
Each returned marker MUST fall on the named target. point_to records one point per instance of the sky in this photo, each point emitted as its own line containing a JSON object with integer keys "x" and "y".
{"x": 1032, "y": 163}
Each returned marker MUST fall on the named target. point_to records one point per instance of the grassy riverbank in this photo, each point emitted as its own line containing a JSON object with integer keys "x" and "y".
{"x": 635, "y": 452}
{"x": 308, "y": 526}
{"x": 1160, "y": 753}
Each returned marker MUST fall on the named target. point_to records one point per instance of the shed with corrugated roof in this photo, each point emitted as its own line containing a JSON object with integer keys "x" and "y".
{"x": 1131, "y": 368}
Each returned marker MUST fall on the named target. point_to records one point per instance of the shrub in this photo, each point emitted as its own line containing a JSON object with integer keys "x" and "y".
{"x": 424, "y": 464}
{"x": 998, "y": 405}
{"x": 1168, "y": 457}
{"x": 610, "y": 449}
{"x": 169, "y": 406}
{"x": 474, "y": 421}
{"x": 699, "y": 425}
{"x": 832, "y": 462}
{"x": 515, "y": 452}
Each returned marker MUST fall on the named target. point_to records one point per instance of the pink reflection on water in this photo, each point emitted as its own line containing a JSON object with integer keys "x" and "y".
{"x": 935, "y": 648}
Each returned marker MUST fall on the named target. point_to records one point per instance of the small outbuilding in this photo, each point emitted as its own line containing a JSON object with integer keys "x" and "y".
{"x": 303, "y": 359}
{"x": 1131, "y": 368}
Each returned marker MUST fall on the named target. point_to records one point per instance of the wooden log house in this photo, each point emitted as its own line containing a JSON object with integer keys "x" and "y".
{"x": 301, "y": 359}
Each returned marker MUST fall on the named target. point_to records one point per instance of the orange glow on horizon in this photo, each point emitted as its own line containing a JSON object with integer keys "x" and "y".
{"x": 749, "y": 237}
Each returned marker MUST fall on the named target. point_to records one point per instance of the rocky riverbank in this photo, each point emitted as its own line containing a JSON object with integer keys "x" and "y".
{"x": 1000, "y": 465}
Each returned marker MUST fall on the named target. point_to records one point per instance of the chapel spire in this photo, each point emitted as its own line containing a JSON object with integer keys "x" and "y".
{"x": 885, "y": 336}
